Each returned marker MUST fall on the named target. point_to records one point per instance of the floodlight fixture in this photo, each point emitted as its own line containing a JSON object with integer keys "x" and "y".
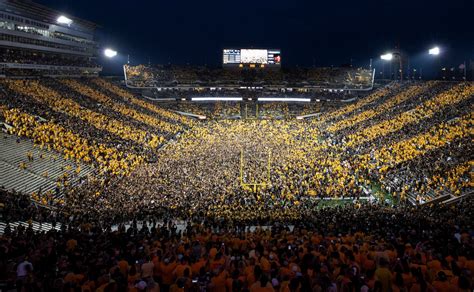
{"x": 434, "y": 51}
{"x": 387, "y": 57}
{"x": 209, "y": 98}
{"x": 284, "y": 99}
{"x": 64, "y": 20}
{"x": 109, "y": 53}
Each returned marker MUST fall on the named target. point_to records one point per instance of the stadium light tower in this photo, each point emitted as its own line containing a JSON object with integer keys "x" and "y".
{"x": 391, "y": 56}
{"x": 64, "y": 20}
{"x": 434, "y": 51}
{"x": 109, "y": 53}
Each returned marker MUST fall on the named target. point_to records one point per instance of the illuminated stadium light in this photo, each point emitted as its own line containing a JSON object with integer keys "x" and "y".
{"x": 434, "y": 51}
{"x": 307, "y": 116}
{"x": 109, "y": 53}
{"x": 64, "y": 20}
{"x": 286, "y": 99}
{"x": 216, "y": 98}
{"x": 387, "y": 57}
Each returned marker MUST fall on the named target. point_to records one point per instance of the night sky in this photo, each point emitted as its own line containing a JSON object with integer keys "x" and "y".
{"x": 320, "y": 33}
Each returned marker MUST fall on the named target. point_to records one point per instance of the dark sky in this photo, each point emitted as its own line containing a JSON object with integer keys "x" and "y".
{"x": 308, "y": 32}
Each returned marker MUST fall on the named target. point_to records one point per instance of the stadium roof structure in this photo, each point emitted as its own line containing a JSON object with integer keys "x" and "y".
{"x": 43, "y": 13}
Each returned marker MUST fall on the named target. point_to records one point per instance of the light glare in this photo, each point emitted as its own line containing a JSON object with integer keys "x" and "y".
{"x": 64, "y": 20}
{"x": 109, "y": 53}
{"x": 284, "y": 99}
{"x": 216, "y": 98}
{"x": 434, "y": 51}
{"x": 387, "y": 57}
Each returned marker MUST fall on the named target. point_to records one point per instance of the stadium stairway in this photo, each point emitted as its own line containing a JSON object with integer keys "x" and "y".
{"x": 439, "y": 199}
{"x": 45, "y": 226}
{"x": 37, "y": 226}
{"x": 181, "y": 226}
{"x": 454, "y": 200}
{"x": 26, "y": 168}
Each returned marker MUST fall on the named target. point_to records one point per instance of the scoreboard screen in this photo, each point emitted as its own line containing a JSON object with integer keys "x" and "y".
{"x": 251, "y": 56}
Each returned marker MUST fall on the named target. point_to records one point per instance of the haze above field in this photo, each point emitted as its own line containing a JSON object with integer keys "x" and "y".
{"x": 321, "y": 33}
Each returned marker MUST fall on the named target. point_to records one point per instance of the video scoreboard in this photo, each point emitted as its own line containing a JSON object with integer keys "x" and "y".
{"x": 260, "y": 57}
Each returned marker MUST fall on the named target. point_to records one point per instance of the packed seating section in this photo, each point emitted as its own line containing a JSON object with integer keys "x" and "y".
{"x": 410, "y": 141}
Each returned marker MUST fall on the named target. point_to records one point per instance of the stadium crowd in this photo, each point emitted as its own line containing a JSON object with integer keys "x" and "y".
{"x": 266, "y": 170}
{"x": 112, "y": 129}
{"x": 390, "y": 138}
{"x": 37, "y": 58}
{"x": 401, "y": 145}
{"x": 353, "y": 248}
{"x": 412, "y": 139}
{"x": 168, "y": 75}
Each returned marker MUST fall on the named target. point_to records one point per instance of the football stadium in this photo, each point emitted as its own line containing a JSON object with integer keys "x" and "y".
{"x": 250, "y": 175}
